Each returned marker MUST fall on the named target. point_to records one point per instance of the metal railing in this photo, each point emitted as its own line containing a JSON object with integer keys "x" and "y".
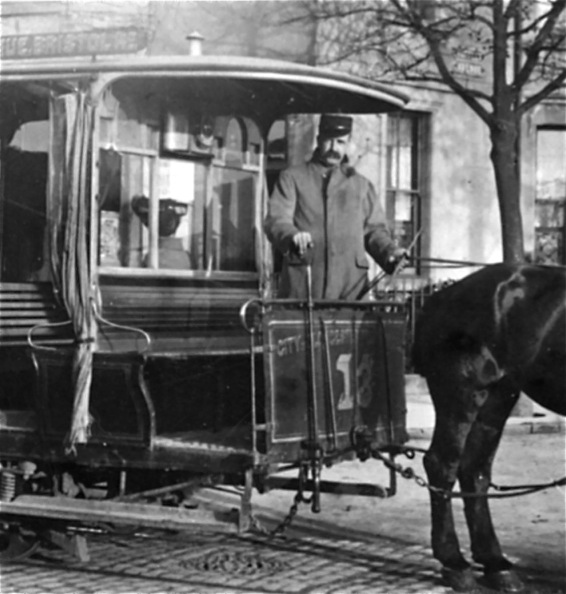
{"x": 413, "y": 292}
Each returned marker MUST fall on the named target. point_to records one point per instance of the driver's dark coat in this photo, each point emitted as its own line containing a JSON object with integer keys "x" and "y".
{"x": 344, "y": 222}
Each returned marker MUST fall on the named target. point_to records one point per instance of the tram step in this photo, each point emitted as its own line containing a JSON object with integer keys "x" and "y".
{"x": 112, "y": 512}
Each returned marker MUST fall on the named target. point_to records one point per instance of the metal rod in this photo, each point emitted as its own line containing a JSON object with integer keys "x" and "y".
{"x": 445, "y": 261}
{"x": 311, "y": 401}
{"x": 253, "y": 394}
{"x": 331, "y": 402}
{"x": 195, "y": 482}
{"x": 312, "y": 412}
{"x": 338, "y": 487}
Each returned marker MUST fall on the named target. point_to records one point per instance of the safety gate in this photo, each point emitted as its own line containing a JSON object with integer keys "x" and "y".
{"x": 331, "y": 369}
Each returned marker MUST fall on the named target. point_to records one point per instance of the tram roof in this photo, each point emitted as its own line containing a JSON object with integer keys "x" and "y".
{"x": 290, "y": 86}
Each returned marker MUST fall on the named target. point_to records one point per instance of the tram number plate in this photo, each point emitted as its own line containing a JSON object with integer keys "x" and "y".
{"x": 354, "y": 352}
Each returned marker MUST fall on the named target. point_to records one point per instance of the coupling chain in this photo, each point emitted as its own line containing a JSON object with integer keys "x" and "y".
{"x": 504, "y": 492}
{"x": 406, "y": 472}
{"x": 280, "y": 529}
{"x": 299, "y": 498}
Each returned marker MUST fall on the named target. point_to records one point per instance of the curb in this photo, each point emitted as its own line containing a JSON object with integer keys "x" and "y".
{"x": 514, "y": 426}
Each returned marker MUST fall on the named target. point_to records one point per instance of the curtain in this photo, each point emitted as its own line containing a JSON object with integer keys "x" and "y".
{"x": 70, "y": 243}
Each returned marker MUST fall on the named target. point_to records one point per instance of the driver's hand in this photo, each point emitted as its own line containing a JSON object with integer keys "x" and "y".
{"x": 302, "y": 241}
{"x": 397, "y": 260}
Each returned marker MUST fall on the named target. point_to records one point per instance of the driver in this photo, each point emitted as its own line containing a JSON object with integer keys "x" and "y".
{"x": 327, "y": 213}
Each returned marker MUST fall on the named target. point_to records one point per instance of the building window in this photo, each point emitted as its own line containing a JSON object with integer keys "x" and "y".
{"x": 550, "y": 196}
{"x": 406, "y": 142}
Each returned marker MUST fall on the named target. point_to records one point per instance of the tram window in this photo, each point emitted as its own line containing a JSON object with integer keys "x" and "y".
{"x": 236, "y": 141}
{"x": 24, "y": 166}
{"x": 126, "y": 188}
{"x": 200, "y": 204}
{"x": 232, "y": 220}
{"x": 205, "y": 219}
{"x": 277, "y": 158}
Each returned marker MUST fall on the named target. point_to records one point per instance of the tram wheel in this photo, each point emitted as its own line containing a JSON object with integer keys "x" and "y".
{"x": 16, "y": 545}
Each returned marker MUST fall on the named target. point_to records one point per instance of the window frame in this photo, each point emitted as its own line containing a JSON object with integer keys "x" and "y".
{"x": 251, "y": 163}
{"x": 419, "y": 178}
{"x": 559, "y": 231}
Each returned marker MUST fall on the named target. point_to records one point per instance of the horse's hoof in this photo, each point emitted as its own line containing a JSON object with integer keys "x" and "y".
{"x": 460, "y": 580}
{"x": 505, "y": 580}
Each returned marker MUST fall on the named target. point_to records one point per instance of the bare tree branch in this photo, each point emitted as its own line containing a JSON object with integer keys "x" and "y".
{"x": 447, "y": 78}
{"x": 546, "y": 91}
{"x": 534, "y": 50}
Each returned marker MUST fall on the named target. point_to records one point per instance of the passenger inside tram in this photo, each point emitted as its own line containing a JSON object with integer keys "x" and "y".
{"x": 172, "y": 253}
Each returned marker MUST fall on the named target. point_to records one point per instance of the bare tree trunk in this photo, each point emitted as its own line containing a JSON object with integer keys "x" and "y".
{"x": 504, "y": 156}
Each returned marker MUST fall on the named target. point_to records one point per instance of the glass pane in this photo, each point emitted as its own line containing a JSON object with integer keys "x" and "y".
{"x": 125, "y": 217}
{"x": 400, "y": 150}
{"x": 393, "y": 130}
{"x": 551, "y": 156}
{"x": 232, "y": 238}
{"x": 176, "y": 195}
{"x": 549, "y": 213}
{"x": 403, "y": 206}
{"x": 392, "y": 167}
{"x": 165, "y": 204}
{"x": 123, "y": 240}
{"x": 405, "y": 175}
{"x": 277, "y": 142}
{"x": 405, "y": 131}
{"x": 549, "y": 246}
{"x": 137, "y": 123}
{"x": 235, "y": 142}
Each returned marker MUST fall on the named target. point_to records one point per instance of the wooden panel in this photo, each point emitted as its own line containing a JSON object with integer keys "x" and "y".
{"x": 120, "y": 405}
{"x": 179, "y": 314}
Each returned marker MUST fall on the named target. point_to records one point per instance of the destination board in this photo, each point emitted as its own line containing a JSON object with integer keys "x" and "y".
{"x": 123, "y": 40}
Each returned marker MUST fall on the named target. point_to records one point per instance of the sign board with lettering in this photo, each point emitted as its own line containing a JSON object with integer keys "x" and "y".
{"x": 124, "y": 40}
{"x": 358, "y": 377}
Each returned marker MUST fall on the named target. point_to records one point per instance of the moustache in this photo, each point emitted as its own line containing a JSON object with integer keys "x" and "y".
{"x": 332, "y": 155}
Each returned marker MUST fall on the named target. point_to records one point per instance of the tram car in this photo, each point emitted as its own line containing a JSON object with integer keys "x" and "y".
{"x": 144, "y": 355}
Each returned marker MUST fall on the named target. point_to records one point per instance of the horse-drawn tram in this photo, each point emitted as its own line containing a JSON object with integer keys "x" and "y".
{"x": 143, "y": 354}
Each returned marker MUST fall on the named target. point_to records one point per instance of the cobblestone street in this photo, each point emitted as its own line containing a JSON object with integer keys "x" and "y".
{"x": 356, "y": 545}
{"x": 230, "y": 564}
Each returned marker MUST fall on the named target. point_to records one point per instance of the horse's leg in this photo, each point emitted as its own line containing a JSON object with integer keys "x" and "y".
{"x": 455, "y": 414}
{"x": 475, "y": 475}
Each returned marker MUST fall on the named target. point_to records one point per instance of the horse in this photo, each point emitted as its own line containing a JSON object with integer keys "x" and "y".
{"x": 479, "y": 343}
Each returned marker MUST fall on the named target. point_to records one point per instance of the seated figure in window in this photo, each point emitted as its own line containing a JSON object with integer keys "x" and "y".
{"x": 171, "y": 250}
